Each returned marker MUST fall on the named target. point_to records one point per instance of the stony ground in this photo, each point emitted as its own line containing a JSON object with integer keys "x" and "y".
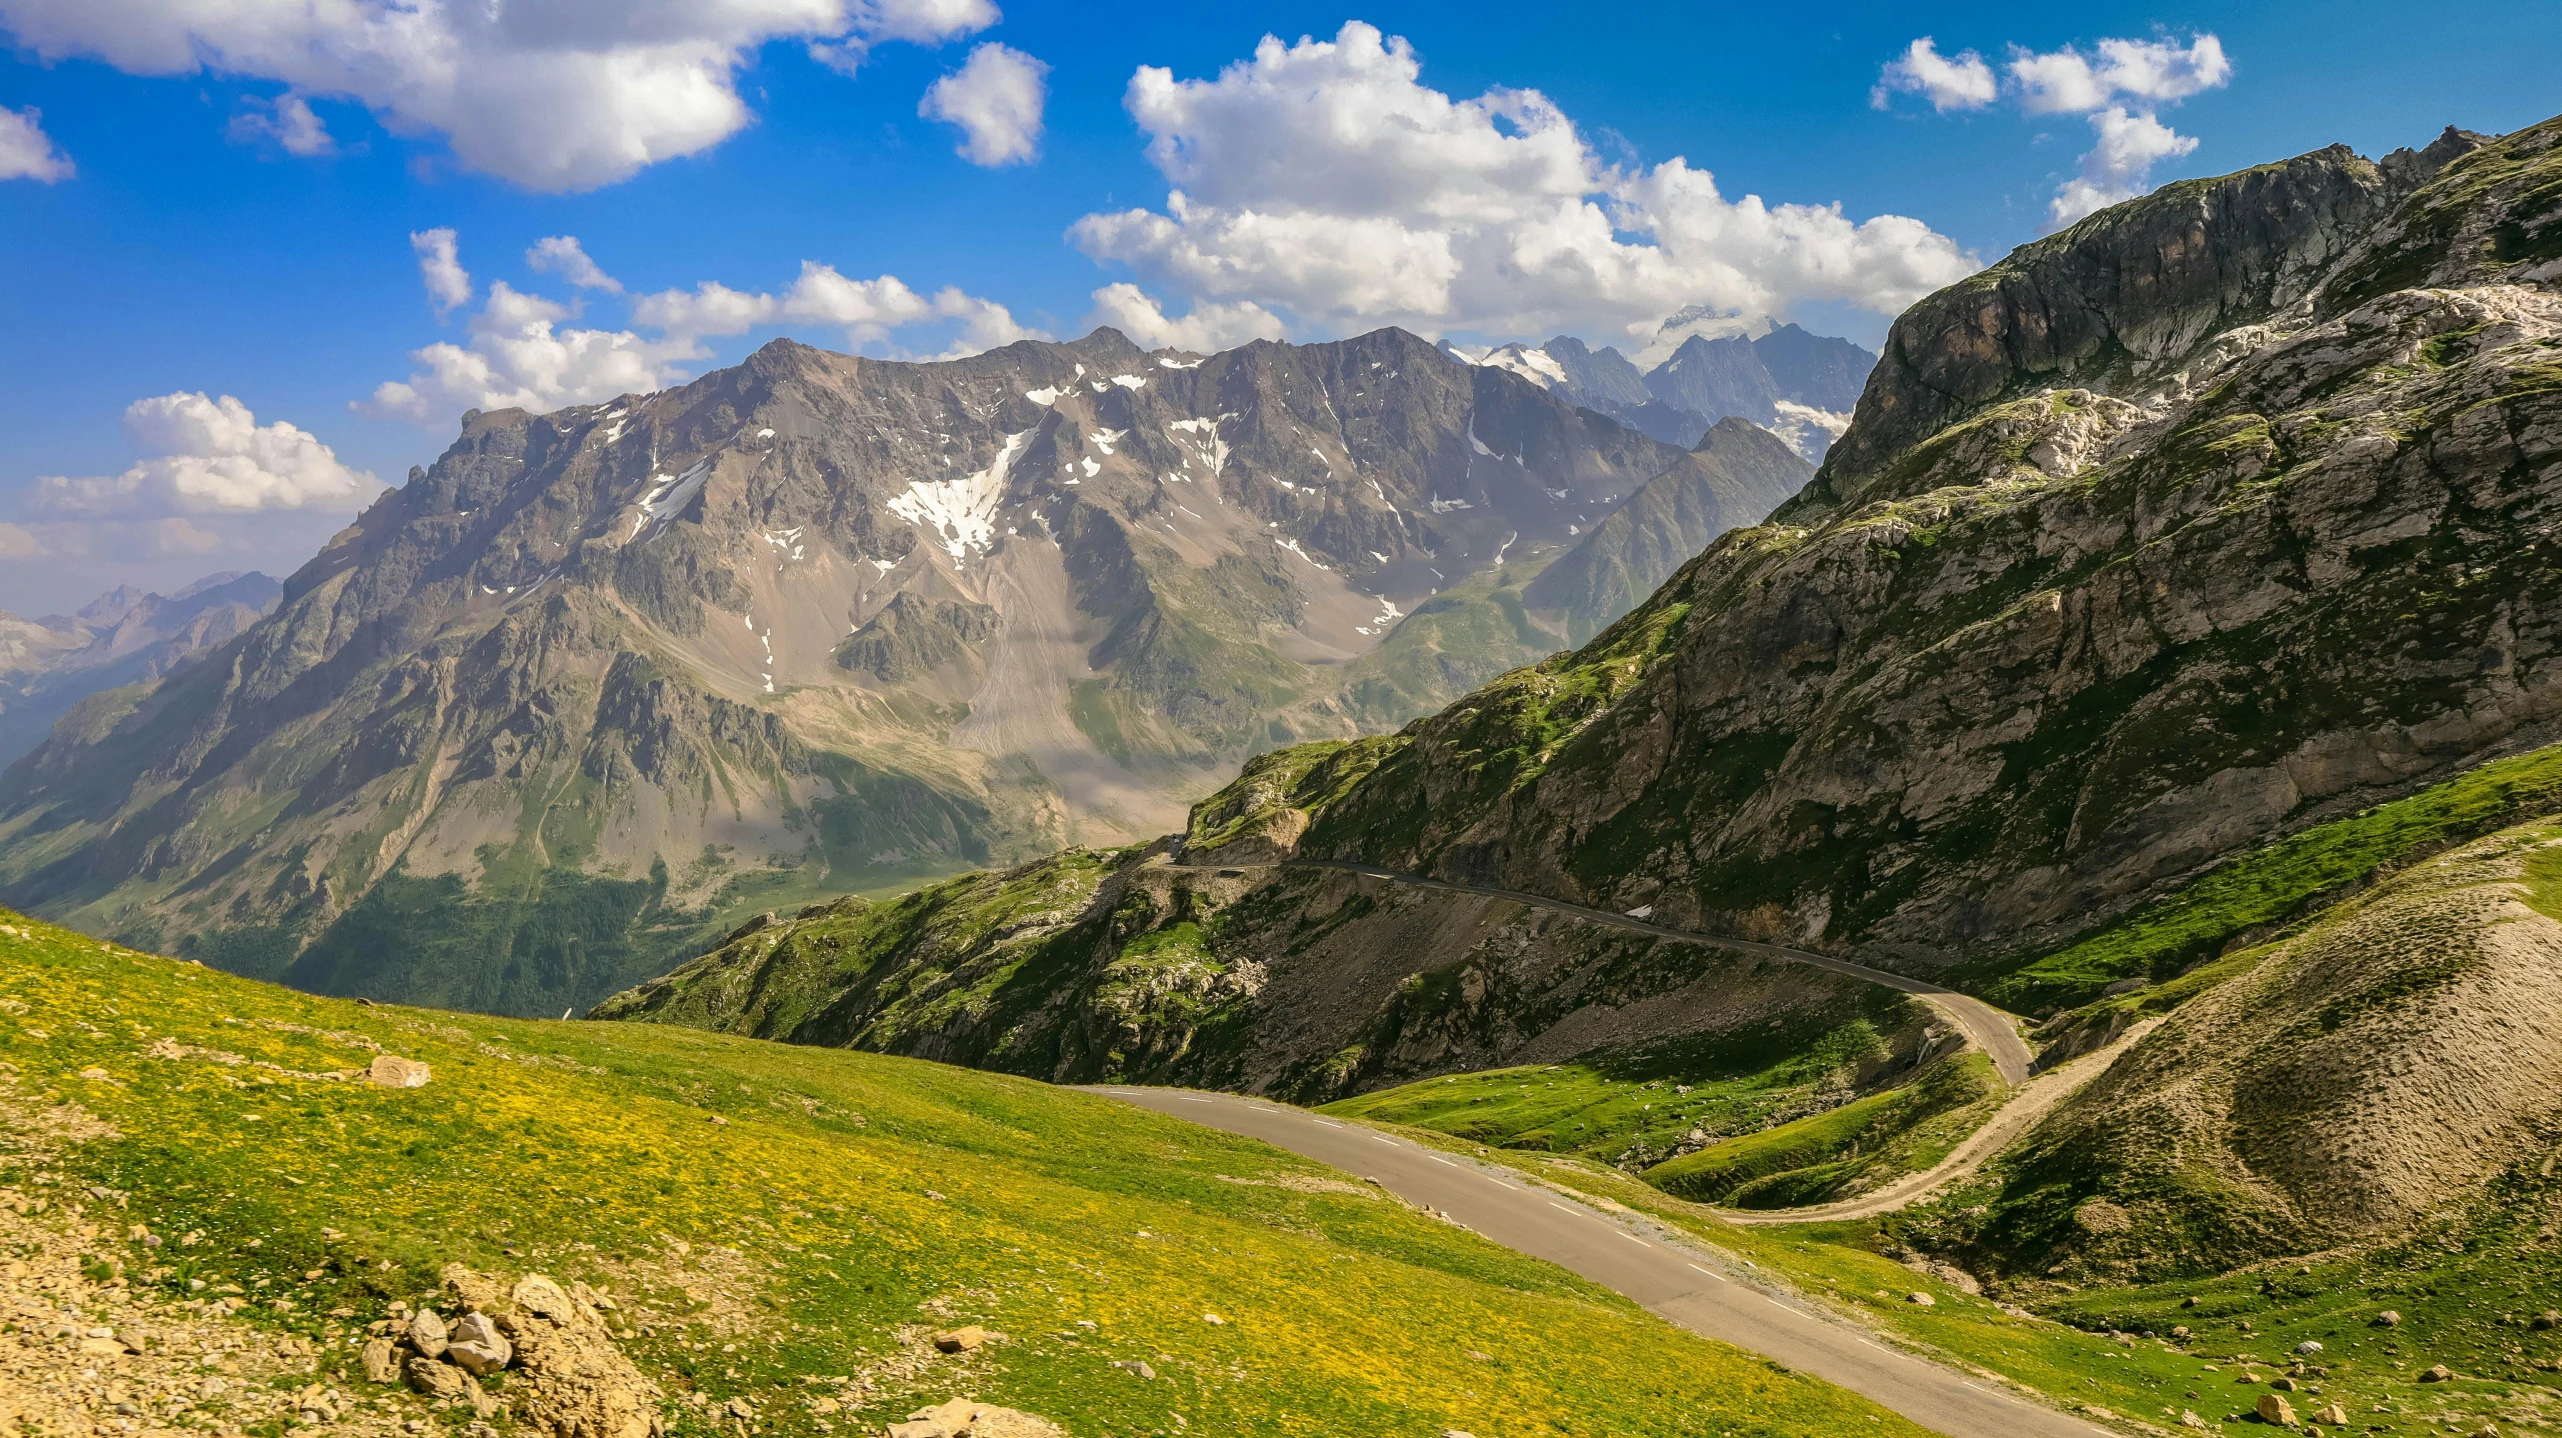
{"x": 83, "y": 1351}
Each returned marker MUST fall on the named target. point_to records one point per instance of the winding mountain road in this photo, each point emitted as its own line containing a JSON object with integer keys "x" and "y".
{"x": 1993, "y": 1031}
{"x": 1685, "y": 1285}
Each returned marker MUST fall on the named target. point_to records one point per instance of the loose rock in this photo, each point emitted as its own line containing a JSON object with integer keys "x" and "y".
{"x": 1920, "y": 1300}
{"x": 2388, "y": 1319}
{"x": 437, "y": 1378}
{"x": 2336, "y": 1415}
{"x": 2436, "y": 1373}
{"x": 961, "y": 1340}
{"x": 380, "y": 1364}
{"x": 2275, "y": 1409}
{"x": 477, "y": 1345}
{"x": 571, "y": 1381}
{"x": 392, "y": 1071}
{"x": 426, "y": 1333}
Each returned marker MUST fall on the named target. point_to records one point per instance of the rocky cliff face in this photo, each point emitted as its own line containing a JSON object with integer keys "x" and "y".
{"x": 809, "y": 624}
{"x": 2227, "y": 509}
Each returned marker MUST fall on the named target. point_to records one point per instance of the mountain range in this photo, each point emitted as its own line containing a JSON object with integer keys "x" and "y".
{"x": 1800, "y": 385}
{"x": 597, "y": 682}
{"x": 2167, "y": 652}
{"x": 125, "y": 636}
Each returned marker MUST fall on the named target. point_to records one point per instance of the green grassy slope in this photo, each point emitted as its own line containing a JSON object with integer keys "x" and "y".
{"x": 768, "y": 1213}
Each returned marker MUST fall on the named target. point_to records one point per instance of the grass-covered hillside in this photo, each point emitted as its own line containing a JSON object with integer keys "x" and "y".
{"x": 1817, "y": 1105}
{"x": 783, "y": 1228}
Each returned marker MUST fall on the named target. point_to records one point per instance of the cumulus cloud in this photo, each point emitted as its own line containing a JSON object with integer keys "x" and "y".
{"x": 1209, "y": 328}
{"x": 561, "y": 255}
{"x": 866, "y": 310}
{"x": 18, "y": 542}
{"x": 559, "y": 96}
{"x": 26, "y": 152}
{"x": 524, "y": 351}
{"x": 995, "y": 99}
{"x": 2118, "y": 84}
{"x": 2116, "y": 167}
{"x": 918, "y": 22}
{"x": 288, "y": 122}
{"x": 519, "y": 355}
{"x": 1959, "y": 82}
{"x": 2148, "y": 72}
{"x": 441, "y": 268}
{"x": 1325, "y": 180}
{"x": 203, "y": 455}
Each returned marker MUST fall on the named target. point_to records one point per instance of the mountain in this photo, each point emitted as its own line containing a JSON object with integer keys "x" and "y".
{"x": 1799, "y": 385}
{"x": 1738, "y": 473}
{"x": 2182, "y": 597}
{"x": 126, "y": 636}
{"x": 598, "y": 683}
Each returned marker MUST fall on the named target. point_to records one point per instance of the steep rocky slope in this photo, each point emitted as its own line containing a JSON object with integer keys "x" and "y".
{"x": 2097, "y": 590}
{"x": 124, "y": 637}
{"x": 814, "y": 623}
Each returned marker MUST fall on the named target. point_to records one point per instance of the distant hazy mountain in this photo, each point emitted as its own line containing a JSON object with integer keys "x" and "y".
{"x": 1798, "y": 385}
{"x": 125, "y": 636}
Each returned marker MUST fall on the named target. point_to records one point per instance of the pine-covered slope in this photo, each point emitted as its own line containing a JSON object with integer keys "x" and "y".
{"x": 549, "y": 711}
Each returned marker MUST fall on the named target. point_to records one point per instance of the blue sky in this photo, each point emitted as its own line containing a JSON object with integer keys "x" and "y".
{"x": 189, "y": 250}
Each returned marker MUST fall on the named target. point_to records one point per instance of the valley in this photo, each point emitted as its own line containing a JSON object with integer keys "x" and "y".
{"x": 2013, "y": 884}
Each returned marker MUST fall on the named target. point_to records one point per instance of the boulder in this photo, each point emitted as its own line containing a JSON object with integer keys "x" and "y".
{"x": 2549, "y": 1318}
{"x": 426, "y": 1333}
{"x": 1920, "y": 1299}
{"x": 2436, "y": 1373}
{"x": 2336, "y": 1415}
{"x": 438, "y": 1379}
{"x": 969, "y": 1418}
{"x": 2275, "y": 1409}
{"x": 2388, "y": 1319}
{"x": 477, "y": 1345}
{"x": 380, "y": 1364}
{"x": 393, "y": 1071}
{"x": 960, "y": 1340}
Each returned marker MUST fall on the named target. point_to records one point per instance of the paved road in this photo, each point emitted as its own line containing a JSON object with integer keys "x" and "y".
{"x": 1992, "y": 1030}
{"x": 1679, "y": 1283}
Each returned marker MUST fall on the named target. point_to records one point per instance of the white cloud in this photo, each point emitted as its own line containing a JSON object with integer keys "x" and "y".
{"x": 288, "y": 121}
{"x": 995, "y": 99}
{"x": 202, "y": 455}
{"x": 561, "y": 255}
{"x": 1959, "y": 82}
{"x": 2149, "y": 72}
{"x": 867, "y": 310}
{"x": 441, "y": 269}
{"x": 17, "y": 542}
{"x": 918, "y": 22}
{"x": 1209, "y": 328}
{"x": 2115, "y": 168}
{"x": 1324, "y": 179}
{"x": 566, "y": 95}
{"x": 2118, "y": 84}
{"x": 520, "y": 357}
{"x": 523, "y": 351}
{"x": 26, "y": 152}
